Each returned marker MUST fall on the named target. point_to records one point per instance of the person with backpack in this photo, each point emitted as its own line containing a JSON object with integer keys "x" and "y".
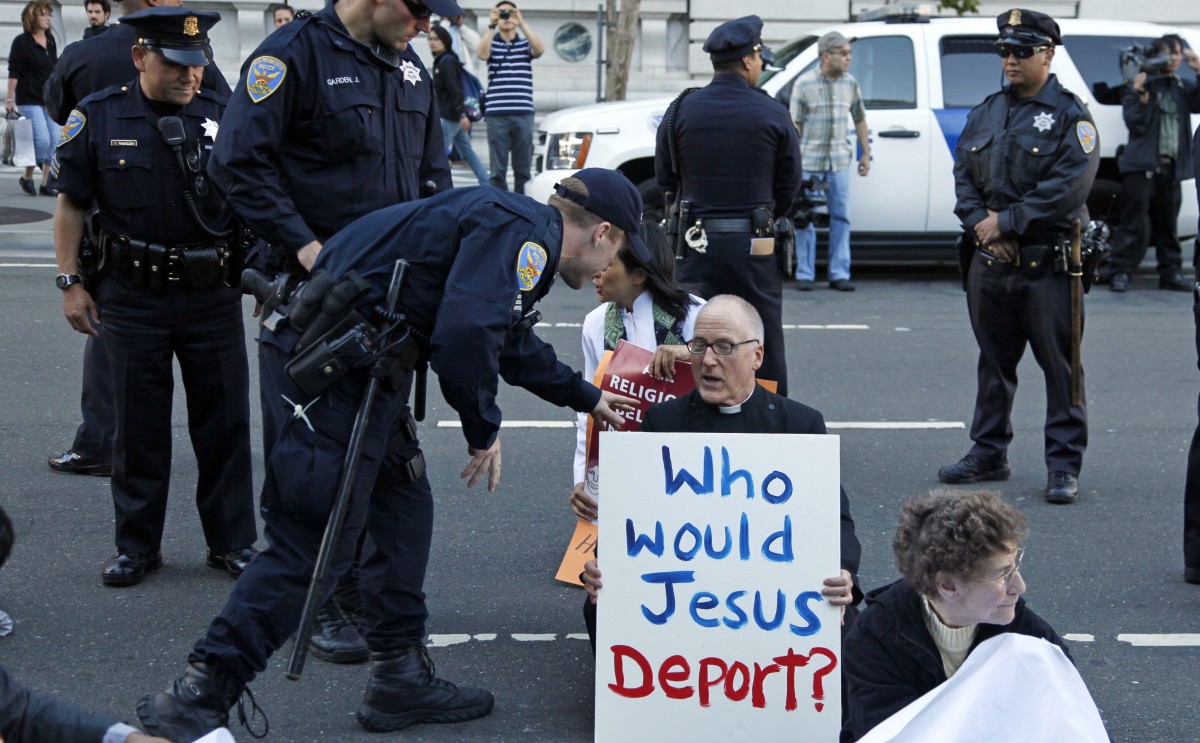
{"x": 448, "y": 88}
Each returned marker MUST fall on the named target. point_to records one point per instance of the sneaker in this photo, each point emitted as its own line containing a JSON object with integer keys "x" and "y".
{"x": 404, "y": 690}
{"x": 1061, "y": 487}
{"x": 27, "y": 186}
{"x": 1175, "y": 282}
{"x": 1120, "y": 282}
{"x": 804, "y": 285}
{"x": 973, "y": 469}
{"x": 841, "y": 285}
{"x": 335, "y": 638}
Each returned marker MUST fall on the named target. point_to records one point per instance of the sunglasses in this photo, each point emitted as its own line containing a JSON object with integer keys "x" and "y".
{"x": 419, "y": 11}
{"x": 1021, "y": 52}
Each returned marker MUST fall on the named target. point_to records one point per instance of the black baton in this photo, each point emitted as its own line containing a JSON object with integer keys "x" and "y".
{"x": 337, "y": 517}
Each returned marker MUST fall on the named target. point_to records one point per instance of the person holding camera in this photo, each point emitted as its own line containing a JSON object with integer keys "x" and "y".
{"x": 509, "y": 97}
{"x": 1156, "y": 106}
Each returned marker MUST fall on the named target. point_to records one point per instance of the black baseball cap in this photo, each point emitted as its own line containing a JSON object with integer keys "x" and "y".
{"x": 179, "y": 35}
{"x": 612, "y": 197}
{"x": 444, "y": 8}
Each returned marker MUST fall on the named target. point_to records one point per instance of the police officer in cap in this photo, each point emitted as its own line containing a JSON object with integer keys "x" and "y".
{"x": 1023, "y": 169}
{"x": 730, "y": 155}
{"x": 335, "y": 117}
{"x": 479, "y": 259}
{"x": 87, "y": 67}
{"x": 139, "y": 151}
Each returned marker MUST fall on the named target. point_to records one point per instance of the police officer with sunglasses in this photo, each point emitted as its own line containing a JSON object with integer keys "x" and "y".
{"x": 1023, "y": 168}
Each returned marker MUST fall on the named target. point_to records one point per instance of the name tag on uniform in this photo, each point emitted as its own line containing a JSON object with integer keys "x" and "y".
{"x": 122, "y": 142}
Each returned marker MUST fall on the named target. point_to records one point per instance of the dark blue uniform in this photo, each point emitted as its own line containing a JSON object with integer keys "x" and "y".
{"x": 1191, "y": 493}
{"x": 738, "y": 150}
{"x": 326, "y": 131}
{"x": 111, "y": 152}
{"x": 83, "y": 69}
{"x": 462, "y": 289}
{"x": 1031, "y": 160}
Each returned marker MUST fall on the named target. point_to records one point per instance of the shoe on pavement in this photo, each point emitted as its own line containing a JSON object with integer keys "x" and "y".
{"x": 1191, "y": 575}
{"x": 233, "y": 562}
{"x": 1175, "y": 282}
{"x": 841, "y": 285}
{"x": 193, "y": 705}
{"x": 804, "y": 285}
{"x": 1120, "y": 282}
{"x": 973, "y": 469}
{"x": 404, "y": 690}
{"x": 73, "y": 464}
{"x": 1061, "y": 487}
{"x": 335, "y": 638}
{"x": 27, "y": 186}
{"x": 129, "y": 568}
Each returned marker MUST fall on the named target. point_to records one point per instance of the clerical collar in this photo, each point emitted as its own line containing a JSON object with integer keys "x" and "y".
{"x": 735, "y": 409}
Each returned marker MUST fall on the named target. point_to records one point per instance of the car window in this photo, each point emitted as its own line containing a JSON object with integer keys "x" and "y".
{"x": 971, "y": 71}
{"x": 1098, "y": 59}
{"x": 783, "y": 57}
{"x": 883, "y": 66}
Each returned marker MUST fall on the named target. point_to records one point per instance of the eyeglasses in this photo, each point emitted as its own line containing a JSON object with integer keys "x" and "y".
{"x": 720, "y": 348}
{"x": 840, "y": 52}
{"x": 418, "y": 10}
{"x": 1021, "y": 52}
{"x": 1007, "y": 576}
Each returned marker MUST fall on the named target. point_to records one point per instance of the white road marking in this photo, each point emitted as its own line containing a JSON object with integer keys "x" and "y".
{"x": 1080, "y": 638}
{"x": 520, "y": 637}
{"x": 28, "y": 265}
{"x": 1161, "y": 640}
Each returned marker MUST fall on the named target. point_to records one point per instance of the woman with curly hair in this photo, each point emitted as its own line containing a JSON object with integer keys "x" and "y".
{"x": 959, "y": 555}
{"x": 31, "y": 59}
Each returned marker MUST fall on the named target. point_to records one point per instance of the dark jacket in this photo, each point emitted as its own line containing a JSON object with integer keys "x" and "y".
{"x": 31, "y": 65}
{"x": 890, "y": 659}
{"x": 1030, "y": 160}
{"x": 29, "y": 717}
{"x": 447, "y": 85}
{"x": 1142, "y": 121}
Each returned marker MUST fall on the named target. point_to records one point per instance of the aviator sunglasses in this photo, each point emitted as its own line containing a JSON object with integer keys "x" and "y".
{"x": 1022, "y": 52}
{"x": 418, "y": 10}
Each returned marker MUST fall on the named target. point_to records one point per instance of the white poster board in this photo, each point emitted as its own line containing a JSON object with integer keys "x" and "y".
{"x": 711, "y": 624}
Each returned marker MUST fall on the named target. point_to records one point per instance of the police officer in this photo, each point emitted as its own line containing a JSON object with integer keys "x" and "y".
{"x": 480, "y": 258}
{"x": 138, "y": 150}
{"x": 1023, "y": 169}
{"x": 335, "y": 118}
{"x": 731, "y": 156}
{"x": 83, "y": 69}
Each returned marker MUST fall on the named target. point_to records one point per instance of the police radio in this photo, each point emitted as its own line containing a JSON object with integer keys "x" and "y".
{"x": 174, "y": 136}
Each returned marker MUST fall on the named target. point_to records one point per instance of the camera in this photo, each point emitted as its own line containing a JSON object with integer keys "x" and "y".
{"x": 1137, "y": 58}
{"x": 505, "y": 14}
{"x": 812, "y": 204}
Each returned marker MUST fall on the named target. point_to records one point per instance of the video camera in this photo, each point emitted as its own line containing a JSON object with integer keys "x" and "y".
{"x": 1138, "y": 58}
{"x": 812, "y": 204}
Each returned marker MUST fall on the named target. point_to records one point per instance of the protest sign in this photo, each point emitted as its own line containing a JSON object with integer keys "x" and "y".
{"x": 711, "y": 622}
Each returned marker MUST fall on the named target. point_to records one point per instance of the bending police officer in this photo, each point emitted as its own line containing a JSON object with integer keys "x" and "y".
{"x": 1024, "y": 166}
{"x": 730, "y": 154}
{"x": 139, "y": 151}
{"x": 479, "y": 259}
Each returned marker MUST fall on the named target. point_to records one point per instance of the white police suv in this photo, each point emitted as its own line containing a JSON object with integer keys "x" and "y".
{"x": 919, "y": 77}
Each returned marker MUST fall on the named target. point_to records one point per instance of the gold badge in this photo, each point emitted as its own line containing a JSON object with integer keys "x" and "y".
{"x": 190, "y": 26}
{"x": 1014, "y": 18}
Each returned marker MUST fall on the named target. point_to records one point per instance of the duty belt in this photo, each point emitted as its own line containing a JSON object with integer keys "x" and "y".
{"x": 197, "y": 265}
{"x": 716, "y": 226}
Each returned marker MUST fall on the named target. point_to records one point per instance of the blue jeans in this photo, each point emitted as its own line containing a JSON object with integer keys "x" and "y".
{"x": 45, "y": 132}
{"x": 455, "y": 136}
{"x": 510, "y": 133}
{"x": 839, "y": 229}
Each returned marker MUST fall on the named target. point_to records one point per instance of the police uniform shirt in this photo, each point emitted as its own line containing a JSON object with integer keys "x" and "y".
{"x": 480, "y": 258}
{"x": 94, "y": 64}
{"x": 760, "y": 151}
{"x": 111, "y": 150}
{"x": 1031, "y": 160}
{"x": 325, "y": 132}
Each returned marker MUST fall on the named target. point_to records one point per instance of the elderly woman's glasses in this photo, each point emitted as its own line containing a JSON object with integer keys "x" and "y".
{"x": 720, "y": 348}
{"x": 1007, "y": 576}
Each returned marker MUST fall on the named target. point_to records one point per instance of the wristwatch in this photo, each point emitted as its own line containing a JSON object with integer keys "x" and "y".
{"x": 65, "y": 281}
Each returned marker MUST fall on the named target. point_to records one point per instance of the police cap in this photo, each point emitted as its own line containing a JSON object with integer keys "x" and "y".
{"x": 612, "y": 197}
{"x": 734, "y": 39}
{"x": 1020, "y": 27}
{"x": 180, "y": 35}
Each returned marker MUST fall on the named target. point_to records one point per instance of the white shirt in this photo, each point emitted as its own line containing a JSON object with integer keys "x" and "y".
{"x": 639, "y": 330}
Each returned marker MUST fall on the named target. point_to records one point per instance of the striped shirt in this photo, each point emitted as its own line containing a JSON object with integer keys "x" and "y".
{"x": 821, "y": 105}
{"x": 510, "y": 78}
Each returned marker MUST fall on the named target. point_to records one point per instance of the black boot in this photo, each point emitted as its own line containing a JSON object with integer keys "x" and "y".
{"x": 404, "y": 690}
{"x": 193, "y": 705}
{"x": 335, "y": 638}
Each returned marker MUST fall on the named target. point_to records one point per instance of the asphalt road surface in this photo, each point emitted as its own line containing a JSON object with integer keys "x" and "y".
{"x": 899, "y": 350}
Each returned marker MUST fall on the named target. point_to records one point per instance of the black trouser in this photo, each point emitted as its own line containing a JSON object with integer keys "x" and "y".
{"x": 1191, "y": 492}
{"x": 1009, "y": 311}
{"x": 94, "y": 437}
{"x": 1147, "y": 209}
{"x": 203, "y": 330}
{"x": 304, "y": 468}
{"x": 728, "y": 268}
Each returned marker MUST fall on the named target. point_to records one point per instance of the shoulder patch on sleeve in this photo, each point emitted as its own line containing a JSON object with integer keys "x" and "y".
{"x": 264, "y": 77}
{"x": 1086, "y": 131}
{"x": 531, "y": 262}
{"x": 75, "y": 123}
